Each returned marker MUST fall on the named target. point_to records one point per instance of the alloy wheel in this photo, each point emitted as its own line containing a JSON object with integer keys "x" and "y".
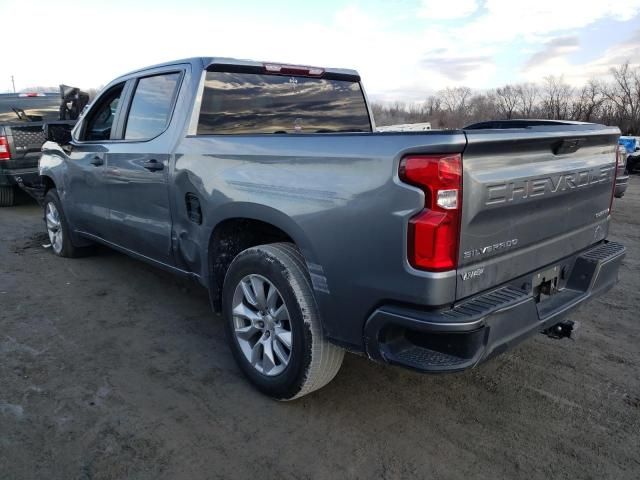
{"x": 54, "y": 227}
{"x": 262, "y": 325}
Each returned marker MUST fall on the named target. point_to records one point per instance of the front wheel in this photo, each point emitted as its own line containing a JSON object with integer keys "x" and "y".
{"x": 273, "y": 324}
{"x": 58, "y": 228}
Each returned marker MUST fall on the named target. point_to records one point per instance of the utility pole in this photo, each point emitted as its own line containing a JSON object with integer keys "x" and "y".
{"x": 13, "y": 83}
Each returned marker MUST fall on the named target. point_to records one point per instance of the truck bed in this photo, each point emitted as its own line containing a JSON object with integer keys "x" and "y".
{"x": 349, "y": 183}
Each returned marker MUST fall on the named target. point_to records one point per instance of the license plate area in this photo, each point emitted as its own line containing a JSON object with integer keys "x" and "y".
{"x": 545, "y": 284}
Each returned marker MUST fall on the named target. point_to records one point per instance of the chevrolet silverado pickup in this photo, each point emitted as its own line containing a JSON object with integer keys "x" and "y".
{"x": 315, "y": 235}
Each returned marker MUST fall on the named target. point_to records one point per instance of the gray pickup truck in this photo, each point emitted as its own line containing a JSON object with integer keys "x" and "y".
{"x": 314, "y": 234}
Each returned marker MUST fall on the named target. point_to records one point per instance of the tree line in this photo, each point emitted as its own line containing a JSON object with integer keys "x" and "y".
{"x": 611, "y": 101}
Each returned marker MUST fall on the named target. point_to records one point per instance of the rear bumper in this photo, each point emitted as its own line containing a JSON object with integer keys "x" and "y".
{"x": 488, "y": 324}
{"x": 13, "y": 176}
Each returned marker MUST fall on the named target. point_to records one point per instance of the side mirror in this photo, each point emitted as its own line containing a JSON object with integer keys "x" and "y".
{"x": 59, "y": 132}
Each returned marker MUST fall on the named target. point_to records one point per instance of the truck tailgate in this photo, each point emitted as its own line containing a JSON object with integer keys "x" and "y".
{"x": 25, "y": 141}
{"x": 531, "y": 197}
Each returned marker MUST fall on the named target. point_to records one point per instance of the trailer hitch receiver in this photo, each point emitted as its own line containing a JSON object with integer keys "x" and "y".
{"x": 560, "y": 330}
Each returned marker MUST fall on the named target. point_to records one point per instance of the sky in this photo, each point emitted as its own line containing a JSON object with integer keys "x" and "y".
{"x": 404, "y": 50}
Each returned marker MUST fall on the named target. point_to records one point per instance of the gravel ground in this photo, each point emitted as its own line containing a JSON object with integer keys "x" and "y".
{"x": 110, "y": 369}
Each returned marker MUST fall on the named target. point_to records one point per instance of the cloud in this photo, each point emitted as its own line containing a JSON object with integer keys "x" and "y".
{"x": 403, "y": 49}
{"x": 354, "y": 18}
{"x": 578, "y": 74}
{"x": 625, "y": 51}
{"x": 506, "y": 20}
{"x": 457, "y": 69}
{"x": 555, "y": 48}
{"x": 441, "y": 10}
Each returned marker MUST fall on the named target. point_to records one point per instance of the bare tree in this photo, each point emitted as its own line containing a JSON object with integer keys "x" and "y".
{"x": 586, "y": 105}
{"x": 39, "y": 89}
{"x": 433, "y": 105}
{"x": 455, "y": 103}
{"x": 507, "y": 100}
{"x": 613, "y": 102}
{"x": 556, "y": 98}
{"x": 528, "y": 96}
{"x": 624, "y": 93}
{"x": 455, "y": 99}
{"x": 483, "y": 107}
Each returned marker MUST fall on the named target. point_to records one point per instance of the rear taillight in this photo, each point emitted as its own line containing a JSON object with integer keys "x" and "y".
{"x": 620, "y": 151}
{"x": 434, "y": 233}
{"x": 5, "y": 154}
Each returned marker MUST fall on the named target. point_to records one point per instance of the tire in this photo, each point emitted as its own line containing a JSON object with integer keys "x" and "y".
{"x": 7, "y": 196}
{"x": 58, "y": 227}
{"x": 257, "y": 324}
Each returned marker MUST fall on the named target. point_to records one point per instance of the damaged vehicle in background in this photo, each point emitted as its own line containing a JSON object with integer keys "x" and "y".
{"x": 26, "y": 120}
{"x": 315, "y": 235}
{"x": 632, "y": 149}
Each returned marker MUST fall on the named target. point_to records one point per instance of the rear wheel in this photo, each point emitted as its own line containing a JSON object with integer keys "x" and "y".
{"x": 7, "y": 196}
{"x": 273, "y": 324}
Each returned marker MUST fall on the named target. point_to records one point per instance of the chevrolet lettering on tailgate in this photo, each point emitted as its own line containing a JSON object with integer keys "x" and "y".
{"x": 521, "y": 190}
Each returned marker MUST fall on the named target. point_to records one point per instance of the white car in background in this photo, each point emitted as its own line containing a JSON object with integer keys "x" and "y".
{"x": 406, "y": 127}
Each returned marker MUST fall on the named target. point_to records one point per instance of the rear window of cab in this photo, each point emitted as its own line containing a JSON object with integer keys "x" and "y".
{"x": 252, "y": 103}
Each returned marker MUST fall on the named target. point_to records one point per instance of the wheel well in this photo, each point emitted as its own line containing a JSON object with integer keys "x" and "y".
{"x": 229, "y": 238}
{"x": 47, "y": 184}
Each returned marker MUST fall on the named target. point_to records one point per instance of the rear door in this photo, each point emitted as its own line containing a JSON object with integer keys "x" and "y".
{"x": 531, "y": 197}
{"x": 138, "y": 168}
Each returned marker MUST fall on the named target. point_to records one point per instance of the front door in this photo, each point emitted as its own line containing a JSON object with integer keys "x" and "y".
{"x": 86, "y": 195}
{"x": 137, "y": 170}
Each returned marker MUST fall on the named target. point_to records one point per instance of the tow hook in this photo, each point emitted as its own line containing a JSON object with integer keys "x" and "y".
{"x": 560, "y": 330}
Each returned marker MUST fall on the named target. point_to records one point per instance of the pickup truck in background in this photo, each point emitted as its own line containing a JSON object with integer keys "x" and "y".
{"x": 315, "y": 234}
{"x": 24, "y": 121}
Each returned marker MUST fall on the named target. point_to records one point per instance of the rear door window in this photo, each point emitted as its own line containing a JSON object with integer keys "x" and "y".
{"x": 151, "y": 106}
{"x": 248, "y": 103}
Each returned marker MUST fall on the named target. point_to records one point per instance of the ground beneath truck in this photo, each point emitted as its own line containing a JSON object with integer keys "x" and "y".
{"x": 110, "y": 368}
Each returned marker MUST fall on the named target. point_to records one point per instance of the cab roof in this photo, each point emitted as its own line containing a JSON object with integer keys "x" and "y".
{"x": 203, "y": 63}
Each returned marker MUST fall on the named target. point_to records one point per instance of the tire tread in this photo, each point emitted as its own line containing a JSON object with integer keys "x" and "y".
{"x": 326, "y": 358}
{"x": 7, "y": 196}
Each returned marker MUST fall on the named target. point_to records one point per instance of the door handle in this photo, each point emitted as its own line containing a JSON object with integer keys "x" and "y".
{"x": 153, "y": 165}
{"x": 97, "y": 161}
